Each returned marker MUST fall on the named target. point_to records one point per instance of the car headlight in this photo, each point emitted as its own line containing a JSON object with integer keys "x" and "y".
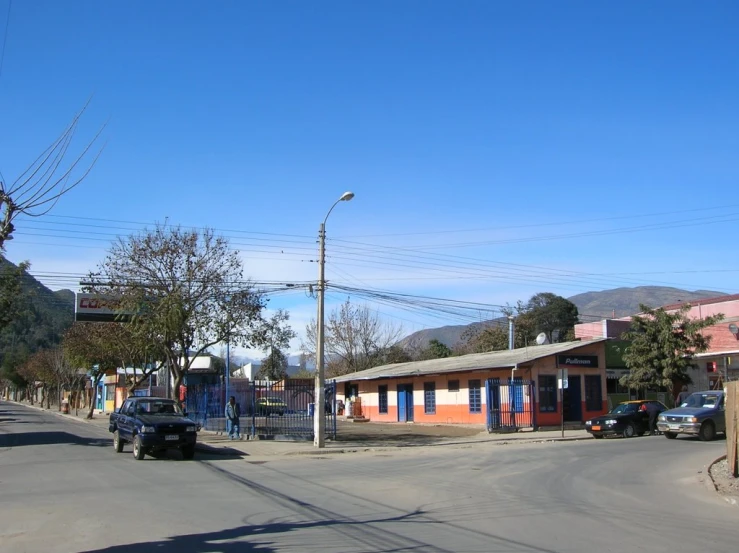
{"x": 148, "y": 429}
{"x": 662, "y": 418}
{"x": 610, "y": 421}
{"x": 191, "y": 429}
{"x": 691, "y": 419}
{"x": 588, "y": 423}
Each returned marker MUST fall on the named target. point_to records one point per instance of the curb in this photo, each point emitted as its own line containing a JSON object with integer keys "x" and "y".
{"x": 57, "y": 413}
{"x": 731, "y": 500}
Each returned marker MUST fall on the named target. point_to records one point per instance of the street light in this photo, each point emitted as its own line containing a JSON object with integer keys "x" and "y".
{"x": 319, "y": 411}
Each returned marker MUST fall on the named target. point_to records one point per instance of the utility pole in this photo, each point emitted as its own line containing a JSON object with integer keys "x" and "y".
{"x": 319, "y": 410}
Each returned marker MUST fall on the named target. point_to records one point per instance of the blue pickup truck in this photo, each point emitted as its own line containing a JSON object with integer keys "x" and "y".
{"x": 153, "y": 424}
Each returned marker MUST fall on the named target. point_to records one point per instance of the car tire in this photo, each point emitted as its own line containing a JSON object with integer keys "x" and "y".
{"x": 117, "y": 442}
{"x": 188, "y": 452}
{"x": 138, "y": 448}
{"x": 629, "y": 431}
{"x": 670, "y": 435}
{"x": 707, "y": 431}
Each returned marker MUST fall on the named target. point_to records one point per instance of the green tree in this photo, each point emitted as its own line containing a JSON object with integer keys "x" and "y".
{"x": 479, "y": 339}
{"x": 549, "y": 313}
{"x": 186, "y": 291}
{"x": 98, "y": 347}
{"x": 661, "y": 346}
{"x": 277, "y": 335}
{"x": 436, "y": 350}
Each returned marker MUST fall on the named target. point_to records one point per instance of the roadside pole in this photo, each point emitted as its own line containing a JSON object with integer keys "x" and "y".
{"x": 562, "y": 384}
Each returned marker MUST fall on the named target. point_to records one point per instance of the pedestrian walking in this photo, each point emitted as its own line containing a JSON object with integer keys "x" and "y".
{"x": 233, "y": 412}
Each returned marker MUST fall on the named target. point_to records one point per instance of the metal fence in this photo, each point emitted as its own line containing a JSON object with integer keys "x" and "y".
{"x": 510, "y": 405}
{"x": 268, "y": 409}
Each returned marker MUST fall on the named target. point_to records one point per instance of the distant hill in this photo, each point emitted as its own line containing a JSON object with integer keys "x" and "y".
{"x": 44, "y": 317}
{"x": 591, "y": 305}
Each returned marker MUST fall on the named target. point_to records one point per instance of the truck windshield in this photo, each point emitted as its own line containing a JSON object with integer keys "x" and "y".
{"x": 160, "y": 408}
{"x": 702, "y": 400}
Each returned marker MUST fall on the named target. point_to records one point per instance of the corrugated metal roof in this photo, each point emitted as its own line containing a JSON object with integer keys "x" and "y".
{"x": 505, "y": 359}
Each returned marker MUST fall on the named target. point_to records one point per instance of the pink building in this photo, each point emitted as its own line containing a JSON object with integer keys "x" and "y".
{"x": 719, "y": 364}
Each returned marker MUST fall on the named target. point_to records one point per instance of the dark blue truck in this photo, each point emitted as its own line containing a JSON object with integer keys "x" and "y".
{"x": 153, "y": 424}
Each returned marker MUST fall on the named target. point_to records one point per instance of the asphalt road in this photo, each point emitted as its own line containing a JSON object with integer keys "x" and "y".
{"x": 63, "y": 489}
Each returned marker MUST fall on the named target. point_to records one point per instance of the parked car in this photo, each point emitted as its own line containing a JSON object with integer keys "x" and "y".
{"x": 626, "y": 419}
{"x": 702, "y": 415}
{"x": 271, "y": 406}
{"x": 152, "y": 424}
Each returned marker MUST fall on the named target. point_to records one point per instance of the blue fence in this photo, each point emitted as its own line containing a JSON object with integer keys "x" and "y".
{"x": 267, "y": 409}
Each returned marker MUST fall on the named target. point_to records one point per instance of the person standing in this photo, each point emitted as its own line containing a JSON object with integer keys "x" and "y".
{"x": 682, "y": 397}
{"x": 232, "y": 419}
{"x": 653, "y": 411}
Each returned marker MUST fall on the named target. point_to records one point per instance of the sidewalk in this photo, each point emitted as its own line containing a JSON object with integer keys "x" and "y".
{"x": 216, "y": 443}
{"x": 220, "y": 444}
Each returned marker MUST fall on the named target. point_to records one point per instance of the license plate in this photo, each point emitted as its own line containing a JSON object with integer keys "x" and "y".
{"x": 674, "y": 427}
{"x": 596, "y": 428}
{"x": 171, "y": 437}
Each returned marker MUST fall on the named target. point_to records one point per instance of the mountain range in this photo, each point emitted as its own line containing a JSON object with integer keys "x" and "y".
{"x": 618, "y": 302}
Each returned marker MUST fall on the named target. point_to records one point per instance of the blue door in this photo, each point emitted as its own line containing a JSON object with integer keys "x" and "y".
{"x": 405, "y": 402}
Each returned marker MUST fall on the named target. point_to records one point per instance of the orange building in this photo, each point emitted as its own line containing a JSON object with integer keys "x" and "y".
{"x": 475, "y": 388}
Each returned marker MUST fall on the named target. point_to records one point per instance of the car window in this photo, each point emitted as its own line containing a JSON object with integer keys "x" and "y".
{"x": 125, "y": 406}
{"x": 703, "y": 400}
{"x": 625, "y": 408}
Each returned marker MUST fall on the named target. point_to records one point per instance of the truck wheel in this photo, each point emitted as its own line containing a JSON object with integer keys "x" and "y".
{"x": 117, "y": 442}
{"x": 188, "y": 452}
{"x": 707, "y": 431}
{"x": 138, "y": 449}
{"x": 629, "y": 431}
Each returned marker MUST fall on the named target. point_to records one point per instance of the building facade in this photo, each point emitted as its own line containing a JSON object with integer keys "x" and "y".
{"x": 453, "y": 390}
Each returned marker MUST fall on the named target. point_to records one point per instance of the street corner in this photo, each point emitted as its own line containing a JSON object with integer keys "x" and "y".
{"x": 723, "y": 482}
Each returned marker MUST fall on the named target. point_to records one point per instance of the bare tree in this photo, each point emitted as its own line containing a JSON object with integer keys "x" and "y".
{"x": 186, "y": 289}
{"x": 355, "y": 339}
{"x": 38, "y": 188}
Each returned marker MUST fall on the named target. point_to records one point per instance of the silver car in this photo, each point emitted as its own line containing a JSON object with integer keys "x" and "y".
{"x": 702, "y": 415}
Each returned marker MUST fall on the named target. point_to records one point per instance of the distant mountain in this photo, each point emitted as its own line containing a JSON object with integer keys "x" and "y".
{"x": 591, "y": 305}
{"x": 43, "y": 318}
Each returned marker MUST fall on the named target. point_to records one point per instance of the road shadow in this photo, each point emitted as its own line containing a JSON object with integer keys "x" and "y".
{"x": 246, "y": 538}
{"x": 20, "y": 439}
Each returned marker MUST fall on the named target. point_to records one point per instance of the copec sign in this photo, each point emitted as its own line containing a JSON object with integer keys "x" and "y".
{"x": 100, "y": 309}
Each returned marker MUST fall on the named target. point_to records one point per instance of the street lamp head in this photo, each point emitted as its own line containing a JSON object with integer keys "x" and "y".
{"x": 346, "y": 196}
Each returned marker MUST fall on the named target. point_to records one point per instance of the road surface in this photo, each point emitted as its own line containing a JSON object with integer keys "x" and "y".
{"x": 64, "y": 489}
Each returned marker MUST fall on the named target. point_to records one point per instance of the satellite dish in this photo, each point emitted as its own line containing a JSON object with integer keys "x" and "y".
{"x": 542, "y": 339}
{"x": 733, "y": 329}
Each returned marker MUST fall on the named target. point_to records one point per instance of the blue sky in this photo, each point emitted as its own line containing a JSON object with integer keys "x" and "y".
{"x": 590, "y": 145}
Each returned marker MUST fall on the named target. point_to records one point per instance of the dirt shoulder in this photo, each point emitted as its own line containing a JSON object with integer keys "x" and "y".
{"x": 723, "y": 480}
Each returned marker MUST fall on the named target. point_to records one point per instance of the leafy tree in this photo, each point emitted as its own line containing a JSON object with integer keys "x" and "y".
{"x": 661, "y": 346}
{"x": 436, "y": 350}
{"x": 549, "y": 313}
{"x": 479, "y": 339}
{"x": 186, "y": 291}
{"x": 277, "y": 335}
{"x": 98, "y": 347}
{"x": 38, "y": 188}
{"x": 355, "y": 339}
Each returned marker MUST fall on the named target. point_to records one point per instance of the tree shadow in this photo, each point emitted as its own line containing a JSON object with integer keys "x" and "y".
{"x": 19, "y": 439}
